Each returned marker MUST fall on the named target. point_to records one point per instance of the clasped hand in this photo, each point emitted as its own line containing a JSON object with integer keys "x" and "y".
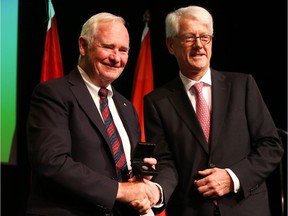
{"x": 215, "y": 183}
{"x": 140, "y": 192}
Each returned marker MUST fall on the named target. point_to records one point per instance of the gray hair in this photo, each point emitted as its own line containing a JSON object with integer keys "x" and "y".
{"x": 197, "y": 12}
{"x": 89, "y": 28}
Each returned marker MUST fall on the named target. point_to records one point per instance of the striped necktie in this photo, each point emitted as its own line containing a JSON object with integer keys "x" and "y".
{"x": 115, "y": 139}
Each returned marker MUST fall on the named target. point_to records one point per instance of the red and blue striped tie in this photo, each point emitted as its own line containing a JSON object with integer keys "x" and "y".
{"x": 115, "y": 139}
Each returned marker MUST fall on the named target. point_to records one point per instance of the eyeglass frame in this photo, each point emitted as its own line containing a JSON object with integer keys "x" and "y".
{"x": 189, "y": 38}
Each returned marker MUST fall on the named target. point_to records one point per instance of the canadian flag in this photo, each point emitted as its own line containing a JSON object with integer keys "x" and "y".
{"x": 52, "y": 61}
{"x": 143, "y": 77}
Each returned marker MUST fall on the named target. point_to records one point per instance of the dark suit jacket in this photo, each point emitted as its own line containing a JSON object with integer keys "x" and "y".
{"x": 73, "y": 171}
{"x": 243, "y": 138}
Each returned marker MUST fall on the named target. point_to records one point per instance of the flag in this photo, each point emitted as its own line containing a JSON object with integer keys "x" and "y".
{"x": 143, "y": 77}
{"x": 52, "y": 61}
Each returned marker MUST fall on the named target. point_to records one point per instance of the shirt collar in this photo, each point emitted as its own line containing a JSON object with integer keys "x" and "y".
{"x": 88, "y": 82}
{"x": 188, "y": 83}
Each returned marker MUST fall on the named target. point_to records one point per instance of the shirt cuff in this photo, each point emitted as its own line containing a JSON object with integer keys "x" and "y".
{"x": 235, "y": 180}
{"x": 161, "y": 201}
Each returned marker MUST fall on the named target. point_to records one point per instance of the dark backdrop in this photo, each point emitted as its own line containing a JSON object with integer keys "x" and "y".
{"x": 249, "y": 38}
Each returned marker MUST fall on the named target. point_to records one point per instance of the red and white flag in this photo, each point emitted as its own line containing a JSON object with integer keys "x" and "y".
{"x": 52, "y": 61}
{"x": 143, "y": 78}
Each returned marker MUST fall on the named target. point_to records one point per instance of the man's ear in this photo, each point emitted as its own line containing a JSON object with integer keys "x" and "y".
{"x": 170, "y": 46}
{"x": 83, "y": 46}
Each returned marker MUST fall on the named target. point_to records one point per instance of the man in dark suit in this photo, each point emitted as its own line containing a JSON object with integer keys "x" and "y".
{"x": 225, "y": 172}
{"x": 73, "y": 168}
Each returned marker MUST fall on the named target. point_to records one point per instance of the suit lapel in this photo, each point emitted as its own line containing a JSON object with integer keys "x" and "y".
{"x": 184, "y": 108}
{"x": 220, "y": 97}
{"x": 85, "y": 100}
{"x": 124, "y": 113}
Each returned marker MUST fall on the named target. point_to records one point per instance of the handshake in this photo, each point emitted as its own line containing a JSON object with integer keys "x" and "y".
{"x": 139, "y": 192}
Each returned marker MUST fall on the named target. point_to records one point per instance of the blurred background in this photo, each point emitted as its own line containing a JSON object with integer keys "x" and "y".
{"x": 247, "y": 38}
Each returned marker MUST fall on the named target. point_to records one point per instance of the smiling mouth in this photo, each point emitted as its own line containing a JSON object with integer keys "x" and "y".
{"x": 198, "y": 56}
{"x": 111, "y": 67}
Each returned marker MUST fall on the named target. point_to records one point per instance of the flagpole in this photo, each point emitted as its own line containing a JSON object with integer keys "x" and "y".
{"x": 146, "y": 19}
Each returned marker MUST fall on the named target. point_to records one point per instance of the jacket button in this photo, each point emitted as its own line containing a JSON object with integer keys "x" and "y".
{"x": 212, "y": 165}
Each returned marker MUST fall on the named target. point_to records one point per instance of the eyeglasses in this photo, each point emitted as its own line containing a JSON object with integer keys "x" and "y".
{"x": 191, "y": 39}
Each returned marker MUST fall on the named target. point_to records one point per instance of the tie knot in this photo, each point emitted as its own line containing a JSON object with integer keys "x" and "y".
{"x": 103, "y": 92}
{"x": 198, "y": 86}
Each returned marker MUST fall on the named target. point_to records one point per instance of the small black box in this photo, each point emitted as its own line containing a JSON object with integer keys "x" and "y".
{"x": 141, "y": 151}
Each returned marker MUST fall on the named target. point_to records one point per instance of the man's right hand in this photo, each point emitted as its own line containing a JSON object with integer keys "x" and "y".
{"x": 142, "y": 195}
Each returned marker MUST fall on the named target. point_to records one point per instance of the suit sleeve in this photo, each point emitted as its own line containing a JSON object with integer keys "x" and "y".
{"x": 50, "y": 149}
{"x": 266, "y": 150}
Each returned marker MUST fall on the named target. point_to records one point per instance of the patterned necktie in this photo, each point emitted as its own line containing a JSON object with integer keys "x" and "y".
{"x": 203, "y": 114}
{"x": 202, "y": 110}
{"x": 115, "y": 139}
